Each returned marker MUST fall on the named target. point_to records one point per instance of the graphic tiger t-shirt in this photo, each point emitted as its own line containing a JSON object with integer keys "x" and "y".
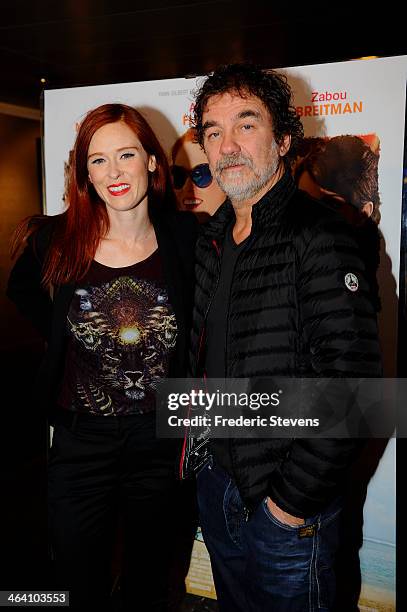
{"x": 121, "y": 332}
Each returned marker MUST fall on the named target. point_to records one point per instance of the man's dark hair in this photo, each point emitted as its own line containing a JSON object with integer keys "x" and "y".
{"x": 250, "y": 80}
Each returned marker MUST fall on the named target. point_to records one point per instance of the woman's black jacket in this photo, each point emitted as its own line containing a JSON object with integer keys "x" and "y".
{"x": 176, "y": 236}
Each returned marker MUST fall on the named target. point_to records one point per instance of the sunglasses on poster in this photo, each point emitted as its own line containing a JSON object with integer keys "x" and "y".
{"x": 200, "y": 175}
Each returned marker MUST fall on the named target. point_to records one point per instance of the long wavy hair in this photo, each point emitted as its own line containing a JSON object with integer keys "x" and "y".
{"x": 77, "y": 232}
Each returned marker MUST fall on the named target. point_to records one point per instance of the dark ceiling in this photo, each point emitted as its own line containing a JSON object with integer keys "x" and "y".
{"x": 86, "y": 42}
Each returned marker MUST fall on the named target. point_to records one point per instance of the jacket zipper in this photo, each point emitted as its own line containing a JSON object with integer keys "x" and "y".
{"x": 246, "y": 511}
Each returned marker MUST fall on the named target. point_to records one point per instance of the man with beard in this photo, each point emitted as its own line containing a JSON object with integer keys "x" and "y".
{"x": 280, "y": 292}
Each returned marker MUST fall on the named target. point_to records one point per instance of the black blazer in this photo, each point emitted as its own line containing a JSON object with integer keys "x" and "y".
{"x": 176, "y": 236}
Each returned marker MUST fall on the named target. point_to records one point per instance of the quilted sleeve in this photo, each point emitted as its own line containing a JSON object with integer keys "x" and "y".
{"x": 26, "y": 291}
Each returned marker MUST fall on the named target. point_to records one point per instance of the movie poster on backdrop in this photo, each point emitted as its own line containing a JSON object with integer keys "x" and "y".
{"x": 353, "y": 112}
{"x": 350, "y": 111}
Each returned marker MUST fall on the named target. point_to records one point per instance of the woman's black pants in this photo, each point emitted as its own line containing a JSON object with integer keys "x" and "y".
{"x": 105, "y": 469}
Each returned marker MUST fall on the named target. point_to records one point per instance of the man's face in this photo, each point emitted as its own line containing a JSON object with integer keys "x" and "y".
{"x": 239, "y": 143}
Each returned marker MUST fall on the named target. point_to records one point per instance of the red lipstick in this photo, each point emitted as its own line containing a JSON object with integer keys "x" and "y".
{"x": 118, "y": 189}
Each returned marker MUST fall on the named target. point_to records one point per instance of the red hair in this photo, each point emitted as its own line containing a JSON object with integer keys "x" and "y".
{"x": 79, "y": 229}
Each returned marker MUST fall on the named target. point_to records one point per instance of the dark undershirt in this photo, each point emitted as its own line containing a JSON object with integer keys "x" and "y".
{"x": 216, "y": 333}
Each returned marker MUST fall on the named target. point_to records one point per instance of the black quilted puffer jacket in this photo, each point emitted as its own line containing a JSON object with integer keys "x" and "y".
{"x": 291, "y": 314}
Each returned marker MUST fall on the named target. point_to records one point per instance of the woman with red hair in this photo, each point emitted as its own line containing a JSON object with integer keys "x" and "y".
{"x": 108, "y": 283}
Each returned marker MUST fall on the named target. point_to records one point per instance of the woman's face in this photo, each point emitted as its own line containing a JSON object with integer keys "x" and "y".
{"x": 118, "y": 167}
{"x": 189, "y": 195}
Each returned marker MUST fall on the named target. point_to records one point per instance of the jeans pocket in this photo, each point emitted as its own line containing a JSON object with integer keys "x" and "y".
{"x": 308, "y": 522}
{"x": 233, "y": 510}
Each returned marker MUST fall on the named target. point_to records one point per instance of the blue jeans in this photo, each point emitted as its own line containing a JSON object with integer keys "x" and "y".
{"x": 262, "y": 564}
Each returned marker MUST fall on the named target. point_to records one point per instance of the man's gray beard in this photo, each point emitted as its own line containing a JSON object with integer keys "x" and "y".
{"x": 240, "y": 192}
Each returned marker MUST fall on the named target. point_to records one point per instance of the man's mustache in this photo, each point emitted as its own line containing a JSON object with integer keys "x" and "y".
{"x": 233, "y": 160}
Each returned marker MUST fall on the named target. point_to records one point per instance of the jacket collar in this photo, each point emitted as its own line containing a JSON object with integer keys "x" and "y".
{"x": 264, "y": 212}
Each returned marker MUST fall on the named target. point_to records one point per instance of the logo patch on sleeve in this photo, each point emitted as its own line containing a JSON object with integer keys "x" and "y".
{"x": 351, "y": 281}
